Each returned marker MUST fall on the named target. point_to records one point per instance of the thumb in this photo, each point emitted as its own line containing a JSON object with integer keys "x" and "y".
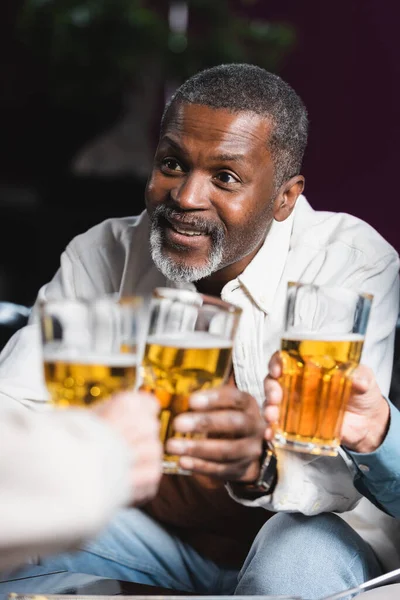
{"x": 275, "y": 365}
{"x": 362, "y": 379}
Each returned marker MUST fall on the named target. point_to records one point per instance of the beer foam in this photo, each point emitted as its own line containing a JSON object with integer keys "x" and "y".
{"x": 322, "y": 337}
{"x": 191, "y": 340}
{"x": 125, "y": 359}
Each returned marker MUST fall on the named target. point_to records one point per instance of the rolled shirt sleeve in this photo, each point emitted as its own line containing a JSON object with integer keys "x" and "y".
{"x": 62, "y": 477}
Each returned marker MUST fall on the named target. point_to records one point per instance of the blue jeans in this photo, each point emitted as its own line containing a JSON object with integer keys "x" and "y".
{"x": 291, "y": 555}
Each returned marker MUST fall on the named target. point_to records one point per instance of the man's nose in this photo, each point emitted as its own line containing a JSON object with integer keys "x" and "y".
{"x": 191, "y": 193}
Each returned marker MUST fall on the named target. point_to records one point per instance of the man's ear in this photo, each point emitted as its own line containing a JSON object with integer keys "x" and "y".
{"x": 286, "y": 198}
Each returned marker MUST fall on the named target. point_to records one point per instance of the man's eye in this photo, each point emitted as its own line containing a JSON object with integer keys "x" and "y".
{"x": 226, "y": 177}
{"x": 171, "y": 164}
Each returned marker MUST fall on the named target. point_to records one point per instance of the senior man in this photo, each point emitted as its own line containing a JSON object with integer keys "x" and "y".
{"x": 225, "y": 215}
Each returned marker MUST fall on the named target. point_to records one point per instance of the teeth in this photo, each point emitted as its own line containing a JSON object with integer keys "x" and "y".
{"x": 187, "y": 232}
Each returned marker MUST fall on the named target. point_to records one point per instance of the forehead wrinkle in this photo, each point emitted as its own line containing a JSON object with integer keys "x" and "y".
{"x": 242, "y": 127}
{"x": 226, "y": 151}
{"x": 221, "y": 156}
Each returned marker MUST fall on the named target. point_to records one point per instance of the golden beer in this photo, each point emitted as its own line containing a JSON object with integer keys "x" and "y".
{"x": 316, "y": 388}
{"x": 176, "y": 366}
{"x": 88, "y": 379}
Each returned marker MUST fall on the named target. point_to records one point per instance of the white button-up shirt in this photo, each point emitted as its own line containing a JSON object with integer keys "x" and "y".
{"x": 309, "y": 246}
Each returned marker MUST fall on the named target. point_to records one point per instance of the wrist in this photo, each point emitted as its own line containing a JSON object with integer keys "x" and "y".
{"x": 265, "y": 482}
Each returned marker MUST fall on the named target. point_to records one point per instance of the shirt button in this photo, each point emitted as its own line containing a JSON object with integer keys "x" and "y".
{"x": 363, "y": 468}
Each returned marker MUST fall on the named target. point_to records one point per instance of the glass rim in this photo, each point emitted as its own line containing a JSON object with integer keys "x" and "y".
{"x": 165, "y": 292}
{"x": 300, "y": 284}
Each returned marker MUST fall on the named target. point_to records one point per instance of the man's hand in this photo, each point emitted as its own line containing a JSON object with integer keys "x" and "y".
{"x": 133, "y": 415}
{"x": 365, "y": 420}
{"x": 234, "y": 427}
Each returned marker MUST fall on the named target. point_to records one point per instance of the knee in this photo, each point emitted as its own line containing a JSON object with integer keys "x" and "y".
{"x": 290, "y": 528}
{"x": 293, "y": 534}
{"x": 309, "y": 549}
{"x": 303, "y": 556}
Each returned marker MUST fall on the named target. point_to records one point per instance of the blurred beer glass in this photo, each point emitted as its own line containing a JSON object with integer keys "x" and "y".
{"x": 320, "y": 348}
{"x": 89, "y": 348}
{"x": 188, "y": 348}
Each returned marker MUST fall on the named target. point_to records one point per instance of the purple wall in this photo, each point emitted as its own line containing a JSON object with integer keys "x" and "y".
{"x": 346, "y": 67}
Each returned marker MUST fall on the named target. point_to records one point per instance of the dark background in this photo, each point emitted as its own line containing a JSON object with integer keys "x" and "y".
{"x": 344, "y": 63}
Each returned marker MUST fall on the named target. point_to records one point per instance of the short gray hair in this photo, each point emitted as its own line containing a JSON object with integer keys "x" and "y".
{"x": 240, "y": 87}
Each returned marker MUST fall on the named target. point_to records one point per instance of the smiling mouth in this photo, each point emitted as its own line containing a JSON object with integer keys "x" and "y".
{"x": 189, "y": 233}
{"x": 185, "y": 229}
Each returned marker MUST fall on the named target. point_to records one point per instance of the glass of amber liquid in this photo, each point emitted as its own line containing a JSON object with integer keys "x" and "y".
{"x": 89, "y": 348}
{"x": 188, "y": 348}
{"x": 320, "y": 348}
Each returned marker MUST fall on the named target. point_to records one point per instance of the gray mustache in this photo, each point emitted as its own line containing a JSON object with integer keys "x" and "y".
{"x": 203, "y": 225}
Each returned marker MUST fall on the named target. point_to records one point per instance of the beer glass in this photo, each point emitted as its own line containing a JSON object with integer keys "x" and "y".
{"x": 188, "y": 348}
{"x": 320, "y": 348}
{"x": 89, "y": 348}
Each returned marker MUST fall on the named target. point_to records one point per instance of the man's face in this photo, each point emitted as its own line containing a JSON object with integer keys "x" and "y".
{"x": 210, "y": 193}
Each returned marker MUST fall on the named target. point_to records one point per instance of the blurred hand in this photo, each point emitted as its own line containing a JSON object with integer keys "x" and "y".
{"x": 133, "y": 415}
{"x": 234, "y": 428}
{"x": 365, "y": 420}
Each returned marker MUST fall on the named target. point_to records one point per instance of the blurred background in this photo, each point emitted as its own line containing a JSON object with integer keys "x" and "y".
{"x": 83, "y": 84}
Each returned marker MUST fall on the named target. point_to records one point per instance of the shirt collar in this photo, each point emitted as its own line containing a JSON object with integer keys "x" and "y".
{"x": 262, "y": 276}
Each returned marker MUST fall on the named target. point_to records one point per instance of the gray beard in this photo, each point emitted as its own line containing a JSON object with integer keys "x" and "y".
{"x": 181, "y": 273}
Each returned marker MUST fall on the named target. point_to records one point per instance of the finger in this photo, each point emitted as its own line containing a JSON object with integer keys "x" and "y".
{"x": 242, "y": 470}
{"x": 217, "y": 450}
{"x": 269, "y": 434}
{"x": 142, "y": 430}
{"x": 222, "y": 397}
{"x": 271, "y": 414}
{"x": 273, "y": 391}
{"x": 223, "y": 422}
{"x": 275, "y": 365}
{"x": 362, "y": 379}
